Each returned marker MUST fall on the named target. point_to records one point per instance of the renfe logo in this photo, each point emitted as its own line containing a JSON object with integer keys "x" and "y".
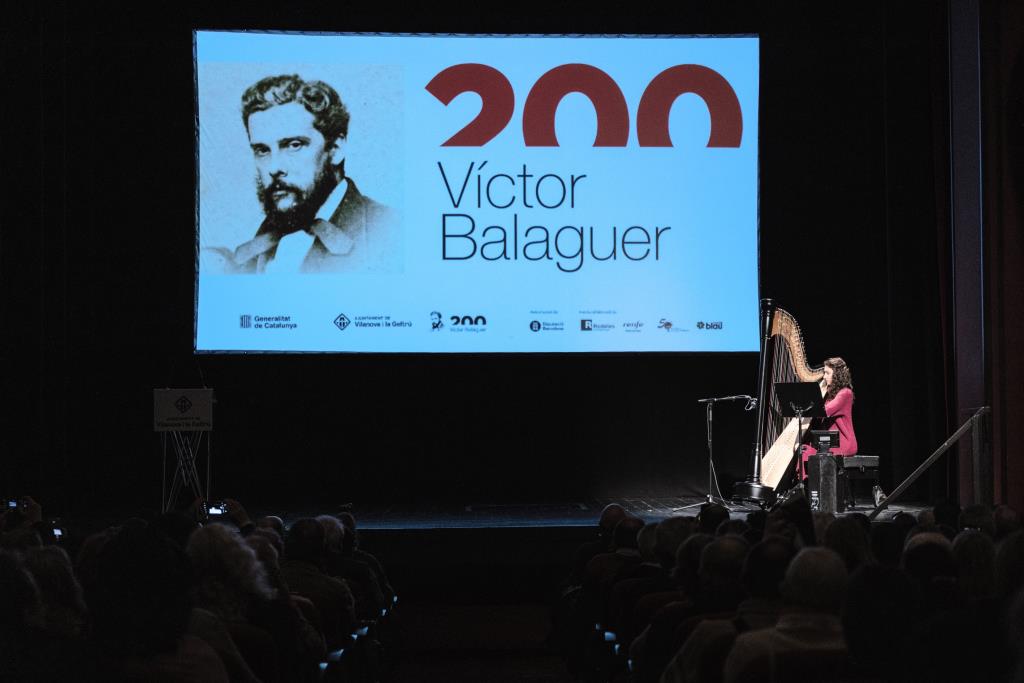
{"x": 652, "y": 116}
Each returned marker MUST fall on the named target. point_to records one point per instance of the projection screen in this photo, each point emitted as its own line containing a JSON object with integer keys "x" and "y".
{"x": 420, "y": 194}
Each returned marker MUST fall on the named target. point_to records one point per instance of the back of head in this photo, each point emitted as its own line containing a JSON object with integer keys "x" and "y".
{"x": 51, "y": 568}
{"x": 1010, "y": 565}
{"x": 815, "y": 580}
{"x": 271, "y": 522}
{"x": 334, "y": 533}
{"x": 670, "y": 535}
{"x": 946, "y": 512}
{"x": 19, "y": 597}
{"x": 140, "y": 603}
{"x": 611, "y": 515}
{"x": 977, "y": 518}
{"x": 732, "y": 527}
{"x": 688, "y": 560}
{"x": 711, "y": 515}
{"x": 1006, "y": 521}
{"x": 645, "y": 541}
{"x": 351, "y": 539}
{"x": 975, "y": 557}
{"x": 882, "y": 604}
{"x": 226, "y": 569}
{"x": 928, "y": 556}
{"x": 846, "y": 536}
{"x": 177, "y": 526}
{"x": 626, "y": 532}
{"x": 305, "y": 541}
{"x": 721, "y": 561}
{"x": 887, "y": 543}
{"x": 765, "y": 567}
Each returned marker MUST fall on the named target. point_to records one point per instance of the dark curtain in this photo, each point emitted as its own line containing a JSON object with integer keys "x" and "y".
{"x": 97, "y": 249}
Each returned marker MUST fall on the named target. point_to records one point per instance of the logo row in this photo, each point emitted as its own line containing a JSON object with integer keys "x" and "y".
{"x": 467, "y": 323}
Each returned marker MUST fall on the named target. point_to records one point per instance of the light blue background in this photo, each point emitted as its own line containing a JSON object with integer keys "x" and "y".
{"x": 708, "y": 266}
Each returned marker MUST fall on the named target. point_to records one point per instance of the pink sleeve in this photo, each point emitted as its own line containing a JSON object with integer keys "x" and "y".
{"x": 841, "y": 404}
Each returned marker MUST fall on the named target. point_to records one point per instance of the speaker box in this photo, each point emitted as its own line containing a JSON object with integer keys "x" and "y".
{"x": 821, "y": 482}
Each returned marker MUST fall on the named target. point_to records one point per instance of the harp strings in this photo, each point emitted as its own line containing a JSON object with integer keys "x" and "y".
{"x": 783, "y": 370}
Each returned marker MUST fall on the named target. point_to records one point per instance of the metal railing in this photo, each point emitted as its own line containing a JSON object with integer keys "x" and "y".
{"x": 973, "y": 424}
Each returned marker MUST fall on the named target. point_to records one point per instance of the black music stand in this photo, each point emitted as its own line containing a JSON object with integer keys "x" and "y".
{"x": 800, "y": 400}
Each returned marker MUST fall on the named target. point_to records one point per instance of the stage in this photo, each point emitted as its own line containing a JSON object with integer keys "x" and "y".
{"x": 572, "y": 514}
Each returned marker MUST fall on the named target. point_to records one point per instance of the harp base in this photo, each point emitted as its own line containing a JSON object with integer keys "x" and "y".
{"x": 752, "y": 491}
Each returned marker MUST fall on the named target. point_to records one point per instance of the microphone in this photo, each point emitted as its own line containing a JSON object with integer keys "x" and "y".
{"x": 738, "y": 397}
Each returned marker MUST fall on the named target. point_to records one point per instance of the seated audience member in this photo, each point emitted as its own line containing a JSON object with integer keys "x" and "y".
{"x": 975, "y": 557}
{"x": 848, "y": 538}
{"x": 303, "y": 571}
{"x": 733, "y": 527}
{"x": 711, "y": 515}
{"x": 822, "y": 521}
{"x": 611, "y": 515}
{"x": 64, "y": 610}
{"x": 1006, "y": 521}
{"x": 669, "y": 535}
{"x": 271, "y": 522}
{"x": 292, "y": 620}
{"x": 718, "y": 593}
{"x": 685, "y": 579}
{"x": 977, "y": 518}
{"x": 928, "y": 559}
{"x": 946, "y": 513}
{"x": 358, "y": 575}
{"x": 351, "y": 549}
{"x": 1010, "y": 566}
{"x": 703, "y": 653}
{"x": 879, "y": 614}
{"x": 636, "y": 580}
{"x": 887, "y": 541}
{"x": 139, "y": 609}
{"x": 230, "y": 583}
{"x": 602, "y": 569}
{"x": 808, "y": 632}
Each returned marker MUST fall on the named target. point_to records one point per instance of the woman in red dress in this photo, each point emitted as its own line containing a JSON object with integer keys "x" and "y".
{"x": 838, "y": 386}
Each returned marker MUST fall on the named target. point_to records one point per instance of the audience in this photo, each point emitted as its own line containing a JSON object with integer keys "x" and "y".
{"x": 939, "y": 597}
{"x": 172, "y": 599}
{"x": 819, "y": 597}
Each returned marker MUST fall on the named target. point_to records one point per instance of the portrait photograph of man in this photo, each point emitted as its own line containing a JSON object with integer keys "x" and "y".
{"x": 312, "y": 216}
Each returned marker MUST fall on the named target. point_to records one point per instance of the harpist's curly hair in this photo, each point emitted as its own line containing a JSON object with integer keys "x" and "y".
{"x": 330, "y": 117}
{"x": 840, "y": 377}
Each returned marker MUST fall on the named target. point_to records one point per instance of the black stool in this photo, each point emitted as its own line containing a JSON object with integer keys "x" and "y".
{"x": 856, "y": 468}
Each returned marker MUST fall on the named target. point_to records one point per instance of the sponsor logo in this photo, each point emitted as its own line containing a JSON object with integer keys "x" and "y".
{"x": 467, "y": 323}
{"x": 342, "y": 322}
{"x": 378, "y": 322}
{"x": 591, "y": 326}
{"x": 665, "y": 324}
{"x": 538, "y": 326}
{"x": 469, "y": 320}
{"x": 632, "y": 326}
{"x": 436, "y": 321}
{"x": 183, "y": 404}
{"x": 535, "y": 326}
{"x": 705, "y": 325}
{"x": 267, "y": 322}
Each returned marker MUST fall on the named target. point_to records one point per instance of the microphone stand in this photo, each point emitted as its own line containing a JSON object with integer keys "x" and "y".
{"x": 710, "y": 404}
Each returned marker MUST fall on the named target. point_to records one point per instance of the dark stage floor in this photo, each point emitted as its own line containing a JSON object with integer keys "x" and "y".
{"x": 579, "y": 513}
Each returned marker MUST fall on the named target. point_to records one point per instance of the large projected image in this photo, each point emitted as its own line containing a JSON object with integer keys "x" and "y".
{"x": 364, "y": 193}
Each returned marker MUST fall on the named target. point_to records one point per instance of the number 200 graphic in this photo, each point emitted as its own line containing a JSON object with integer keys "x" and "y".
{"x": 498, "y": 104}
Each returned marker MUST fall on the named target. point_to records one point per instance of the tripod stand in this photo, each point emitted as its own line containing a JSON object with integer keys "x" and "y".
{"x": 712, "y": 479}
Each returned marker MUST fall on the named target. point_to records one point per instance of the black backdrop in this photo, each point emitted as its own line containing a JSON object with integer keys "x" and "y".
{"x": 97, "y": 253}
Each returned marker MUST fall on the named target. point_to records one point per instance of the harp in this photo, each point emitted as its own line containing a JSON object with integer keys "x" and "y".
{"x": 782, "y": 359}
